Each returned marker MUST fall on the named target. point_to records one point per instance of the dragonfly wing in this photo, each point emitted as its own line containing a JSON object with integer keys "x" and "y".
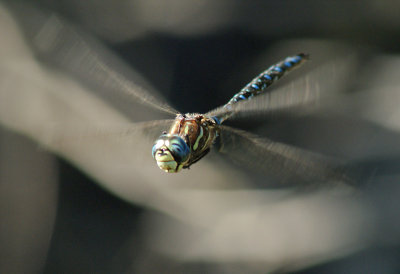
{"x": 318, "y": 87}
{"x": 284, "y": 162}
{"x": 60, "y": 44}
{"x": 128, "y": 134}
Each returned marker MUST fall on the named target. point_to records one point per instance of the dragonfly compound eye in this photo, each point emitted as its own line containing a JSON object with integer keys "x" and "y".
{"x": 170, "y": 152}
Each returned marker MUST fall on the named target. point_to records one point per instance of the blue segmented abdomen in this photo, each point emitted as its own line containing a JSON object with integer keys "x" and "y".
{"x": 266, "y": 78}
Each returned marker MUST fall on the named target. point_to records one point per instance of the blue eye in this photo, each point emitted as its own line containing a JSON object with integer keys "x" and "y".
{"x": 176, "y": 148}
{"x": 175, "y": 144}
{"x": 153, "y": 150}
{"x": 159, "y": 143}
{"x": 179, "y": 149}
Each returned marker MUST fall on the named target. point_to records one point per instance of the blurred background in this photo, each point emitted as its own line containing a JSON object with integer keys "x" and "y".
{"x": 80, "y": 193}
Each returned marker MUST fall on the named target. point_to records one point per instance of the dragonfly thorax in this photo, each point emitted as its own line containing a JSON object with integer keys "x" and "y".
{"x": 188, "y": 140}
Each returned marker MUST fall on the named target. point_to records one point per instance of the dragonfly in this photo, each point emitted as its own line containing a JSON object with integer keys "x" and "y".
{"x": 192, "y": 135}
{"x": 188, "y": 138}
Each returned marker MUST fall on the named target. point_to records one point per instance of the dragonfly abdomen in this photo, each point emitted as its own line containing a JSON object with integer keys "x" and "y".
{"x": 267, "y": 78}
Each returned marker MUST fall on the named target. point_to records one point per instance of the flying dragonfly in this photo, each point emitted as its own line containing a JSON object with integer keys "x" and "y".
{"x": 189, "y": 137}
{"x": 192, "y": 135}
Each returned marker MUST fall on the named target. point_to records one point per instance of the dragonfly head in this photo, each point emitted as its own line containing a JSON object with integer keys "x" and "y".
{"x": 171, "y": 152}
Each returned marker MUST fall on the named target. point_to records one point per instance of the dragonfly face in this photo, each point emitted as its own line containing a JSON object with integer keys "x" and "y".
{"x": 171, "y": 152}
{"x": 188, "y": 140}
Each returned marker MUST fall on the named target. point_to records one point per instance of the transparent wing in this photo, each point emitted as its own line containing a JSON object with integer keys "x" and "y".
{"x": 284, "y": 162}
{"x": 58, "y": 136}
{"x": 68, "y": 48}
{"x": 319, "y": 86}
